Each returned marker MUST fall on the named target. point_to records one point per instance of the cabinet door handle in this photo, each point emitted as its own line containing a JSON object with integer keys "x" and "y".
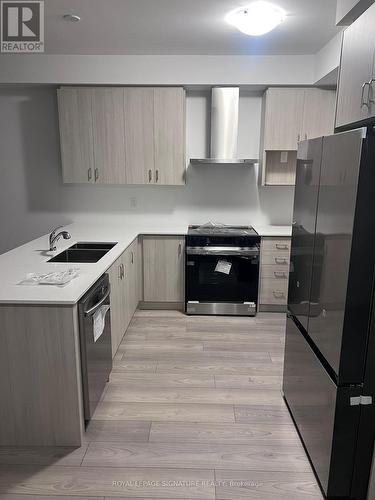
{"x": 282, "y": 247}
{"x": 179, "y": 249}
{"x": 132, "y": 260}
{"x": 96, "y": 174}
{"x": 157, "y": 176}
{"x": 371, "y": 91}
{"x": 89, "y": 174}
{"x": 150, "y": 175}
{"x": 280, "y": 261}
{"x": 119, "y": 272}
{"x": 363, "y": 102}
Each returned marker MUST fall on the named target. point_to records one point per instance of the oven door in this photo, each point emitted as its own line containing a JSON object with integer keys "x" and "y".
{"x": 221, "y": 279}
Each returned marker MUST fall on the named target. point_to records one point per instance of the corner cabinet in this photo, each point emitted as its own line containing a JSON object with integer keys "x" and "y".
{"x": 290, "y": 115}
{"x": 356, "y": 89}
{"x": 122, "y": 135}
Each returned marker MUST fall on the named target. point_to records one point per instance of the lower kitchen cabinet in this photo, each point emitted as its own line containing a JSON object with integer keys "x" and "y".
{"x": 163, "y": 269}
{"x": 125, "y": 293}
{"x": 274, "y": 274}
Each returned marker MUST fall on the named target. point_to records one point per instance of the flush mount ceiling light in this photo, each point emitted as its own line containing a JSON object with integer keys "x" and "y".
{"x": 71, "y": 17}
{"x": 257, "y": 18}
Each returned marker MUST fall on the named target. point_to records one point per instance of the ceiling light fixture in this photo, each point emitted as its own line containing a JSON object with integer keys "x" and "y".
{"x": 71, "y": 17}
{"x": 257, "y": 18}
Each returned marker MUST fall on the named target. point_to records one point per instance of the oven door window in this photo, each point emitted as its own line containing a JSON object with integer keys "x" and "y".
{"x": 222, "y": 278}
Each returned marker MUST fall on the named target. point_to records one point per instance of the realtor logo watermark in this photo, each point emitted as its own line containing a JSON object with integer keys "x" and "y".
{"x": 22, "y": 26}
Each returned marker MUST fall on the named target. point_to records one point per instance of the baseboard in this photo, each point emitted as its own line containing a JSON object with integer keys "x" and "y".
{"x": 176, "y": 306}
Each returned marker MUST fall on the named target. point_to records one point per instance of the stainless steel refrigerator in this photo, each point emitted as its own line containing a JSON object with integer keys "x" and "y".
{"x": 329, "y": 371}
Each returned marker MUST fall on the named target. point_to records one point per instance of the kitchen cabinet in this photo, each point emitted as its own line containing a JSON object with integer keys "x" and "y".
{"x": 125, "y": 293}
{"x": 274, "y": 273}
{"x": 132, "y": 278}
{"x": 109, "y": 136}
{"x": 169, "y": 132}
{"x": 139, "y": 135}
{"x": 163, "y": 269}
{"x": 318, "y": 113}
{"x": 76, "y": 134}
{"x": 290, "y": 115}
{"x": 123, "y": 135}
{"x": 356, "y": 89}
{"x": 118, "y": 299}
{"x": 283, "y": 118}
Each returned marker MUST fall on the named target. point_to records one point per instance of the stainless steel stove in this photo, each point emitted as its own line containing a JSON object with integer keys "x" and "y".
{"x": 222, "y": 270}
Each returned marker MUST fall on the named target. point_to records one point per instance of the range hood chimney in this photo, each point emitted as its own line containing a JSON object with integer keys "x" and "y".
{"x": 224, "y": 128}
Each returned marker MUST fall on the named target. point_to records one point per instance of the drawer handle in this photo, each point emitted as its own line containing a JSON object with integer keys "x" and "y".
{"x": 280, "y": 274}
{"x": 96, "y": 174}
{"x": 282, "y": 247}
{"x": 278, "y": 260}
{"x": 150, "y": 175}
{"x": 157, "y": 176}
{"x": 278, "y": 294}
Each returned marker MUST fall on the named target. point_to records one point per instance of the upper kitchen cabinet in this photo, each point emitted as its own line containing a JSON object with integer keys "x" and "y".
{"x": 290, "y": 115}
{"x": 283, "y": 118}
{"x": 139, "y": 135}
{"x": 169, "y": 130}
{"x": 356, "y": 90}
{"x": 318, "y": 113}
{"x": 129, "y": 135}
{"x": 76, "y": 134}
{"x": 108, "y": 132}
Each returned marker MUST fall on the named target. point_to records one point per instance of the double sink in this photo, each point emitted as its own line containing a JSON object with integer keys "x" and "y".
{"x": 84, "y": 252}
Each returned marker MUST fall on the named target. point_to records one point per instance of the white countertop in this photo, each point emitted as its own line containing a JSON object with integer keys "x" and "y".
{"x": 33, "y": 256}
{"x": 277, "y": 231}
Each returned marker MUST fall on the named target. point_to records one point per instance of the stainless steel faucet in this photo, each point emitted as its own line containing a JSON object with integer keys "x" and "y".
{"x": 54, "y": 237}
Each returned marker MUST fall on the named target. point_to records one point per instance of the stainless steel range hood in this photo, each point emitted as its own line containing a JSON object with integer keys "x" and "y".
{"x": 224, "y": 128}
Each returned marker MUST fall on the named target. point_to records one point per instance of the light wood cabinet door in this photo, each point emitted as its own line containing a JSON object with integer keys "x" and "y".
{"x": 283, "y": 118}
{"x": 126, "y": 290}
{"x": 132, "y": 265}
{"x": 139, "y": 135}
{"x": 163, "y": 268}
{"x": 169, "y": 134}
{"x": 109, "y": 136}
{"x": 117, "y": 306}
{"x": 356, "y": 71}
{"x": 318, "y": 113}
{"x": 76, "y": 134}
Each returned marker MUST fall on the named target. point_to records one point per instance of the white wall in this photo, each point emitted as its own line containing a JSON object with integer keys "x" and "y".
{"x": 33, "y": 198}
{"x": 156, "y": 70}
{"x": 327, "y": 61}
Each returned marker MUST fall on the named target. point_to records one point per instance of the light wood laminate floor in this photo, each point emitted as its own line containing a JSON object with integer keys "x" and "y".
{"x": 193, "y": 410}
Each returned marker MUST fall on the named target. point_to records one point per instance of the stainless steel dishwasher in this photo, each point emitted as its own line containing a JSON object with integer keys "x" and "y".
{"x": 96, "y": 347}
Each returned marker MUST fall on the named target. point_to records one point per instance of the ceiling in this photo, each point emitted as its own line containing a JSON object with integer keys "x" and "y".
{"x": 181, "y": 27}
